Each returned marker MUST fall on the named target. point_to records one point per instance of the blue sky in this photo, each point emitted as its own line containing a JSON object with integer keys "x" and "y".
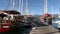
{"x": 35, "y": 6}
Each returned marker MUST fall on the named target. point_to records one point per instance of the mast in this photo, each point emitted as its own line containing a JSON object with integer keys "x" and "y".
{"x": 16, "y": 5}
{"x": 59, "y": 13}
{"x": 22, "y": 7}
{"x": 45, "y": 7}
{"x": 12, "y": 3}
{"x": 26, "y": 7}
{"x": 30, "y": 12}
{"x": 52, "y": 10}
{"x": 19, "y": 5}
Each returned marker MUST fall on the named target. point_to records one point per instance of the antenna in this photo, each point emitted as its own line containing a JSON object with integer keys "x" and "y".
{"x": 45, "y": 7}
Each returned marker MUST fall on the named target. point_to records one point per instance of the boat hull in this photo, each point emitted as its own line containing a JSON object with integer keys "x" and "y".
{"x": 4, "y": 29}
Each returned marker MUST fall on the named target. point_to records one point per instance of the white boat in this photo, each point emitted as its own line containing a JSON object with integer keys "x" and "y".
{"x": 56, "y": 22}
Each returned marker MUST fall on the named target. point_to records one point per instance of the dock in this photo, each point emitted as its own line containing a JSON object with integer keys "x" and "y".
{"x": 45, "y": 30}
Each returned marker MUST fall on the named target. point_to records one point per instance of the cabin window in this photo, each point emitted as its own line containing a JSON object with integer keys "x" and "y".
{"x": 7, "y": 18}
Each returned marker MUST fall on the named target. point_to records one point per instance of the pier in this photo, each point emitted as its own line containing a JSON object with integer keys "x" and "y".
{"x": 45, "y": 30}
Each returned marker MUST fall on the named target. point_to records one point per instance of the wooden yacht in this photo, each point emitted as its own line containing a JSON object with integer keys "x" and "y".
{"x": 8, "y": 20}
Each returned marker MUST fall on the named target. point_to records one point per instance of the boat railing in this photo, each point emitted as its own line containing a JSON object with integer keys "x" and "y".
{"x": 5, "y": 21}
